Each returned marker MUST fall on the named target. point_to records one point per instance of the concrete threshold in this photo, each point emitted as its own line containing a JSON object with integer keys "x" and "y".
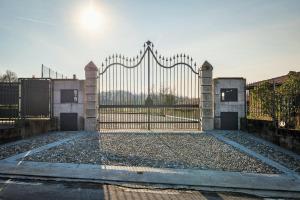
{"x": 282, "y": 185}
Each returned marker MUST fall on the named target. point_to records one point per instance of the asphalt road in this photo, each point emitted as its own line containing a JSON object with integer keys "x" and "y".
{"x": 33, "y": 190}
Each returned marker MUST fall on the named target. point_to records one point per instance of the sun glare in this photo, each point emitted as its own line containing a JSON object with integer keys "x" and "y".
{"x": 91, "y": 18}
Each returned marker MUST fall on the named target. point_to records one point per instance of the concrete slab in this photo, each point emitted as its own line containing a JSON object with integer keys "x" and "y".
{"x": 266, "y": 160}
{"x": 186, "y": 177}
{"x": 45, "y": 147}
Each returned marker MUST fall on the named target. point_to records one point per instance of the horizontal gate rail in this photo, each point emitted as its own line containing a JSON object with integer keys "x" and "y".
{"x": 150, "y": 106}
{"x": 154, "y": 122}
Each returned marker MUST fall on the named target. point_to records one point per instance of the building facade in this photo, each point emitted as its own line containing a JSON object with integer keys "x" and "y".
{"x": 68, "y": 103}
{"x": 229, "y": 102}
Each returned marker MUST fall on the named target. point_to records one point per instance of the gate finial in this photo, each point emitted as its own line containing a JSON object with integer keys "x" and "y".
{"x": 148, "y": 43}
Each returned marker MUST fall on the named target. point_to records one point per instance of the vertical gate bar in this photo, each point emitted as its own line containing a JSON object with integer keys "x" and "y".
{"x": 196, "y": 95}
{"x": 98, "y": 97}
{"x": 184, "y": 100}
{"x": 162, "y": 89}
{"x": 152, "y": 90}
{"x": 123, "y": 88}
{"x": 107, "y": 94}
{"x": 181, "y": 91}
{"x": 199, "y": 101}
{"x": 130, "y": 95}
{"x": 42, "y": 74}
{"x": 187, "y": 92}
{"x": 191, "y": 114}
{"x": 166, "y": 94}
{"x": 174, "y": 82}
{"x": 114, "y": 82}
{"x": 115, "y": 89}
{"x": 169, "y": 110}
{"x": 102, "y": 88}
{"x": 148, "y": 86}
{"x": 127, "y": 84}
{"x": 138, "y": 95}
{"x": 143, "y": 89}
{"x": 133, "y": 80}
{"x": 177, "y": 88}
{"x": 109, "y": 111}
{"x": 156, "y": 88}
{"x": 170, "y": 85}
{"x": 141, "y": 93}
{"x": 120, "y": 93}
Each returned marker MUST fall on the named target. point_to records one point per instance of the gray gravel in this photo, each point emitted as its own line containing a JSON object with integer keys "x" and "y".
{"x": 164, "y": 150}
{"x": 10, "y": 149}
{"x": 266, "y": 150}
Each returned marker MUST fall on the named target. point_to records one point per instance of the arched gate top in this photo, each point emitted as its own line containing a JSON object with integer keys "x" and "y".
{"x": 162, "y": 61}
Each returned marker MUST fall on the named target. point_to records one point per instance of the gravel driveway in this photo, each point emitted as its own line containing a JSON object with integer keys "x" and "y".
{"x": 10, "y": 149}
{"x": 162, "y": 150}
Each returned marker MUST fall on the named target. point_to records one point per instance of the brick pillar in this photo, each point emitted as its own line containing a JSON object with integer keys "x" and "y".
{"x": 206, "y": 97}
{"x": 91, "y": 99}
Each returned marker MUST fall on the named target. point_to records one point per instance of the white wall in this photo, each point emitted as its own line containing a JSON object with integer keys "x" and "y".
{"x": 59, "y": 107}
{"x": 219, "y": 106}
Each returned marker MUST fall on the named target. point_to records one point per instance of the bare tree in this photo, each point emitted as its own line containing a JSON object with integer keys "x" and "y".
{"x": 9, "y": 77}
{"x": 167, "y": 96}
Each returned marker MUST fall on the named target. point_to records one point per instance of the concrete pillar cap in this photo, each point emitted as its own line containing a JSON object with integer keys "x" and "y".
{"x": 91, "y": 67}
{"x": 207, "y": 66}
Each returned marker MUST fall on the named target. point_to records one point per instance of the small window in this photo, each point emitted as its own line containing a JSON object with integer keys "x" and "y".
{"x": 69, "y": 96}
{"x": 229, "y": 94}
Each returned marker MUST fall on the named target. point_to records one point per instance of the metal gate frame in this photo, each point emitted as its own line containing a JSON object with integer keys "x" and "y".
{"x": 182, "y": 105}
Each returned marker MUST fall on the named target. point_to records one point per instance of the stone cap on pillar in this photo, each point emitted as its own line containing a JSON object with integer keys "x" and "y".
{"x": 207, "y": 66}
{"x": 91, "y": 67}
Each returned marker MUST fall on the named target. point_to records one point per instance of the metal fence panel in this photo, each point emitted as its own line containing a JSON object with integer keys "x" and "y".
{"x": 9, "y": 100}
{"x": 35, "y": 98}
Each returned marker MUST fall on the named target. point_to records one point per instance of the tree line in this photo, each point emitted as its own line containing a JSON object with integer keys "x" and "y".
{"x": 8, "y": 77}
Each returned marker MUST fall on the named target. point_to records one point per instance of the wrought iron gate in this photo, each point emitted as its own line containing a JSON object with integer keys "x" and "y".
{"x": 149, "y": 91}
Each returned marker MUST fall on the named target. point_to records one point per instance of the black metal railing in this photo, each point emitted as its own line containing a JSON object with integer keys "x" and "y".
{"x": 27, "y": 98}
{"x": 9, "y": 103}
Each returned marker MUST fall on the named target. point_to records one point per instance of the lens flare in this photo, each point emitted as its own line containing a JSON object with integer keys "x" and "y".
{"x": 91, "y": 18}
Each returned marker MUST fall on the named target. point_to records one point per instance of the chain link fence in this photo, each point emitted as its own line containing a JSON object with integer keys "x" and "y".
{"x": 47, "y": 72}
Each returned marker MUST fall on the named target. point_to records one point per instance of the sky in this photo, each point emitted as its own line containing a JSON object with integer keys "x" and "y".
{"x": 255, "y": 39}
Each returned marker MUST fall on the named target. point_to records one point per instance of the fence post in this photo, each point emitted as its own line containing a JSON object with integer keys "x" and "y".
{"x": 42, "y": 71}
{"x": 206, "y": 101}
{"x": 274, "y": 117}
{"x": 91, "y": 100}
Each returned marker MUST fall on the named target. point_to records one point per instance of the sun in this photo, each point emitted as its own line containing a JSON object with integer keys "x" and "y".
{"x": 91, "y": 18}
